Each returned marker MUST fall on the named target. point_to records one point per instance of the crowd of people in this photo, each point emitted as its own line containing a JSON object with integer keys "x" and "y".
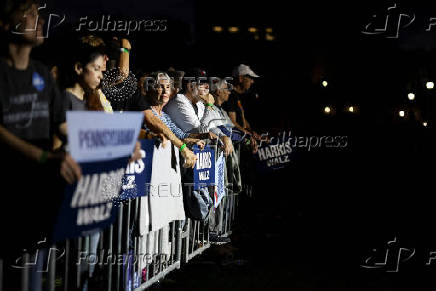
{"x": 187, "y": 108}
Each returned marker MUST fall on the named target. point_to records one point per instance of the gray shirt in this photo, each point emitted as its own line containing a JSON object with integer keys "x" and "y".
{"x": 74, "y": 103}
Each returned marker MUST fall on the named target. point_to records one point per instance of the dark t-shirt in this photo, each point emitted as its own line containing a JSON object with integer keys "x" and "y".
{"x": 235, "y": 104}
{"x": 31, "y": 107}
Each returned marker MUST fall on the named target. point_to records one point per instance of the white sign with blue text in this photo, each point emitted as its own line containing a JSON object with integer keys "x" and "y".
{"x": 98, "y": 136}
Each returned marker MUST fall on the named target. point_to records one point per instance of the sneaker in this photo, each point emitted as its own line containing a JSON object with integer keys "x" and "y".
{"x": 218, "y": 240}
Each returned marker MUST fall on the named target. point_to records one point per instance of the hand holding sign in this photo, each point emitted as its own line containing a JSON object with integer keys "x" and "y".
{"x": 228, "y": 146}
{"x": 70, "y": 170}
{"x": 190, "y": 158}
{"x": 136, "y": 153}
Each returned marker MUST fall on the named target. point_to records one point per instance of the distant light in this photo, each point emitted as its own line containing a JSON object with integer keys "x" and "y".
{"x": 269, "y": 30}
{"x": 411, "y": 96}
{"x": 351, "y": 108}
{"x": 217, "y": 28}
{"x": 256, "y": 37}
{"x": 233, "y": 29}
{"x": 401, "y": 113}
{"x": 327, "y": 109}
{"x": 324, "y": 83}
{"x": 252, "y": 29}
{"x": 424, "y": 124}
{"x": 269, "y": 37}
{"x": 429, "y": 85}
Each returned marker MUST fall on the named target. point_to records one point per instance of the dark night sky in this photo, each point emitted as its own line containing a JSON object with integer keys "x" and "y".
{"x": 313, "y": 40}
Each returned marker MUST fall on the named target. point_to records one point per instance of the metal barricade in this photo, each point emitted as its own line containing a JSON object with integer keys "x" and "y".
{"x": 111, "y": 258}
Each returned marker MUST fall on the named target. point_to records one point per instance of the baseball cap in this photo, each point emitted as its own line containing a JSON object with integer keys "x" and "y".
{"x": 243, "y": 70}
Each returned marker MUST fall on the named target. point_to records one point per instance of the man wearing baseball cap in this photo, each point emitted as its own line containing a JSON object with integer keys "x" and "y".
{"x": 243, "y": 80}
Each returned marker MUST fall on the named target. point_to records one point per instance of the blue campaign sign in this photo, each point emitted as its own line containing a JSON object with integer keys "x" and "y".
{"x": 138, "y": 173}
{"x": 88, "y": 204}
{"x": 204, "y": 171}
{"x": 274, "y": 155}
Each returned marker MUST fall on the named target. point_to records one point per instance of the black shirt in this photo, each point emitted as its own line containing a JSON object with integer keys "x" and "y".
{"x": 236, "y": 104}
{"x": 31, "y": 106}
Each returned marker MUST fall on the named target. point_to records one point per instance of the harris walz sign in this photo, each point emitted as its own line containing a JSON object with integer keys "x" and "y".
{"x": 102, "y": 144}
{"x": 275, "y": 154}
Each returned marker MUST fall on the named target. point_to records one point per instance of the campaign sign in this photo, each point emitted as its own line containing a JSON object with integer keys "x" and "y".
{"x": 274, "y": 155}
{"x": 204, "y": 171}
{"x": 138, "y": 173}
{"x": 88, "y": 203}
{"x": 102, "y": 144}
{"x": 98, "y": 136}
{"x": 220, "y": 189}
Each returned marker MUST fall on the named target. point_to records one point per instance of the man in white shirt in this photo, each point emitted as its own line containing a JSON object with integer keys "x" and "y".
{"x": 188, "y": 110}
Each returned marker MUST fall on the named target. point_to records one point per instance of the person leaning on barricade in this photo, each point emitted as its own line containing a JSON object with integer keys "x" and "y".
{"x": 32, "y": 110}
{"x": 244, "y": 79}
{"x": 188, "y": 109}
{"x": 158, "y": 91}
{"x": 221, "y": 91}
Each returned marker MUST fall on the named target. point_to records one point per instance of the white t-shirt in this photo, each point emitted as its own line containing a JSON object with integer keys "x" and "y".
{"x": 182, "y": 112}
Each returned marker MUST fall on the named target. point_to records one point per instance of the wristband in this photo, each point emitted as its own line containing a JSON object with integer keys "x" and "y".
{"x": 124, "y": 50}
{"x": 209, "y": 104}
{"x": 43, "y": 158}
{"x": 183, "y": 147}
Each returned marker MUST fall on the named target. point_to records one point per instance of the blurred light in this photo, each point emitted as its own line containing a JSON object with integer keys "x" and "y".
{"x": 411, "y": 96}
{"x": 424, "y": 124}
{"x": 217, "y": 28}
{"x": 252, "y": 29}
{"x": 327, "y": 109}
{"x": 233, "y": 29}
{"x": 269, "y": 29}
{"x": 256, "y": 37}
{"x": 269, "y": 37}
{"x": 351, "y": 109}
{"x": 429, "y": 85}
{"x": 324, "y": 83}
{"x": 401, "y": 113}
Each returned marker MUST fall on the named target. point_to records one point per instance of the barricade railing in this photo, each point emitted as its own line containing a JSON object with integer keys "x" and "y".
{"x": 112, "y": 259}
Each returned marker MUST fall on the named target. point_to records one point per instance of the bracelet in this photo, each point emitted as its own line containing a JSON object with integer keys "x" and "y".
{"x": 43, "y": 158}
{"x": 183, "y": 147}
{"x": 124, "y": 50}
{"x": 209, "y": 104}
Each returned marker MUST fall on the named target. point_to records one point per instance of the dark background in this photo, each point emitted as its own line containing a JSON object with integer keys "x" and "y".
{"x": 331, "y": 206}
